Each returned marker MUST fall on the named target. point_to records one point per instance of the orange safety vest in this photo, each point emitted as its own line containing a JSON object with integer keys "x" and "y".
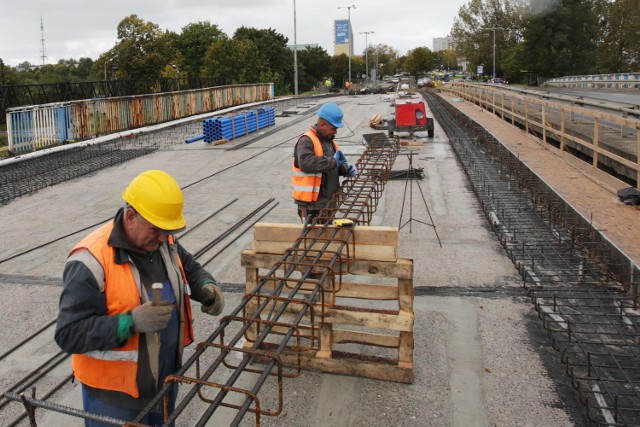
{"x": 306, "y": 186}
{"x": 116, "y": 369}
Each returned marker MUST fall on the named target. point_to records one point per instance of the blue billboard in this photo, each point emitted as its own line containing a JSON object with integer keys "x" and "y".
{"x": 342, "y": 31}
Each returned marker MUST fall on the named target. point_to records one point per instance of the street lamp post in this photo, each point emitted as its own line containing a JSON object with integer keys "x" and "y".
{"x": 295, "y": 52}
{"x": 494, "y": 49}
{"x": 350, "y": 39}
{"x": 366, "y": 50}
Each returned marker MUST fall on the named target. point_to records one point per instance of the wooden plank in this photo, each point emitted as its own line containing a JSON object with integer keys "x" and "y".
{"x": 400, "y": 269}
{"x": 344, "y": 336}
{"x": 364, "y": 252}
{"x": 367, "y": 291}
{"x": 403, "y": 321}
{"x": 364, "y": 235}
{"x": 251, "y": 276}
{"x": 352, "y": 365}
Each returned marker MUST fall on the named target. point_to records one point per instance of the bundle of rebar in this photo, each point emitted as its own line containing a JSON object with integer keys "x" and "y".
{"x": 26, "y": 177}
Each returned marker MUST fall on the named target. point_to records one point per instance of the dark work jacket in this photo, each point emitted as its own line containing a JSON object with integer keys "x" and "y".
{"x": 307, "y": 160}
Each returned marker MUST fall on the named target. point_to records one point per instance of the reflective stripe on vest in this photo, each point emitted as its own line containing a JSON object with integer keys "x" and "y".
{"x": 306, "y": 186}
{"x": 115, "y": 369}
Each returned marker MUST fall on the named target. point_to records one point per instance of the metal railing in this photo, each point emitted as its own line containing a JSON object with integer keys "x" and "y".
{"x": 598, "y": 81}
{"x": 610, "y": 138}
{"x": 35, "y": 127}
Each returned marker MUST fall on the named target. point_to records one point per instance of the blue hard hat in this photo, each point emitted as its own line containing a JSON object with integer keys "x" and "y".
{"x": 331, "y": 113}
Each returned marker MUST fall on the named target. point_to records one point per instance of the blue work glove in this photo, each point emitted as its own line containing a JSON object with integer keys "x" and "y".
{"x": 340, "y": 158}
{"x": 351, "y": 170}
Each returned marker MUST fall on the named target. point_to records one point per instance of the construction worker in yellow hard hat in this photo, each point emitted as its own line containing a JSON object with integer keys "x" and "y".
{"x": 124, "y": 345}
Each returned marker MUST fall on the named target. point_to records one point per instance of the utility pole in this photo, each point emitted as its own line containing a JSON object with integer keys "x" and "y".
{"x": 350, "y": 38}
{"x": 494, "y": 49}
{"x": 366, "y": 50}
{"x": 295, "y": 52}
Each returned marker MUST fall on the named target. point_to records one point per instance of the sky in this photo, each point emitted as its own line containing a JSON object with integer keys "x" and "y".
{"x": 78, "y": 28}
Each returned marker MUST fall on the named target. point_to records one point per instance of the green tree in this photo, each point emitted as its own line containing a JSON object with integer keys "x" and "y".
{"x": 560, "y": 40}
{"x": 272, "y": 53}
{"x": 446, "y": 59}
{"x": 619, "y": 39}
{"x": 192, "y": 44}
{"x": 387, "y": 59}
{"x": 476, "y": 24}
{"x": 419, "y": 61}
{"x": 235, "y": 59}
{"x": 314, "y": 64}
{"x": 339, "y": 70}
{"x": 142, "y": 50}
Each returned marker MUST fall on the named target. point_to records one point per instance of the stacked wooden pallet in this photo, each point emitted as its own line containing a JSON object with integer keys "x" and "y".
{"x": 363, "y": 325}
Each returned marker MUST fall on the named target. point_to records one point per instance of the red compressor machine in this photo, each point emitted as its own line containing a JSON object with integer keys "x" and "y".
{"x": 411, "y": 115}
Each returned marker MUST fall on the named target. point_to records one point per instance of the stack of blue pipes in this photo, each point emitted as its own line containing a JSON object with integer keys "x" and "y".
{"x": 232, "y": 127}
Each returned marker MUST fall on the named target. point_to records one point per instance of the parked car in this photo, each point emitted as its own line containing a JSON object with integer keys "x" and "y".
{"x": 499, "y": 81}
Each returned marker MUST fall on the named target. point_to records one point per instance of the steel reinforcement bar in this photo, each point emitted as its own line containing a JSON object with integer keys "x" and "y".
{"x": 284, "y": 312}
{"x": 583, "y": 288}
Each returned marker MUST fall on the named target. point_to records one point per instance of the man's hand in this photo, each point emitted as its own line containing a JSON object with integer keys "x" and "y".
{"x": 151, "y": 318}
{"x": 340, "y": 158}
{"x": 212, "y": 299}
{"x": 351, "y": 170}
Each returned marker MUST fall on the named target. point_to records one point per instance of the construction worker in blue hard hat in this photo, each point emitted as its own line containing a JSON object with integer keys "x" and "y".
{"x": 123, "y": 343}
{"x": 318, "y": 163}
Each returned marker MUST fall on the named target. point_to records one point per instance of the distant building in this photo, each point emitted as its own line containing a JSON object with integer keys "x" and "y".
{"x": 443, "y": 43}
{"x": 343, "y": 42}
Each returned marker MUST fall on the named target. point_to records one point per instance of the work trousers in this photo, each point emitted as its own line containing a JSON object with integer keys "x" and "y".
{"x": 100, "y": 407}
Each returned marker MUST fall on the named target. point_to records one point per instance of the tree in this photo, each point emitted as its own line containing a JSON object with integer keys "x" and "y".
{"x": 446, "y": 59}
{"x": 192, "y": 44}
{"x": 560, "y": 40}
{"x": 619, "y": 24}
{"x": 387, "y": 59}
{"x": 339, "y": 69}
{"x": 272, "y": 52}
{"x": 314, "y": 64}
{"x": 419, "y": 61}
{"x": 477, "y": 22}
{"x": 142, "y": 50}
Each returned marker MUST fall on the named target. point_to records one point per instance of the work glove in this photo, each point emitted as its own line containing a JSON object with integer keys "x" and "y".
{"x": 151, "y": 318}
{"x": 340, "y": 158}
{"x": 212, "y": 299}
{"x": 351, "y": 170}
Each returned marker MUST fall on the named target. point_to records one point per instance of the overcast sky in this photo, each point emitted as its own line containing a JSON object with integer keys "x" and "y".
{"x": 80, "y": 28}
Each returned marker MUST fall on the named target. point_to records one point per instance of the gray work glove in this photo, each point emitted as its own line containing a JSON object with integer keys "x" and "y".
{"x": 212, "y": 299}
{"x": 151, "y": 318}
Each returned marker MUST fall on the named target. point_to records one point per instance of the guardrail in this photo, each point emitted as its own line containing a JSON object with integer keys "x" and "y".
{"x": 32, "y": 128}
{"x": 608, "y": 138}
{"x": 598, "y": 81}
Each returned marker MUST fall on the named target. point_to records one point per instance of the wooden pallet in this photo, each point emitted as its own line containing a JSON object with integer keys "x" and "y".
{"x": 373, "y": 320}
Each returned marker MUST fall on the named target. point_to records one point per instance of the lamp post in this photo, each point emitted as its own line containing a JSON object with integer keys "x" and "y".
{"x": 494, "y": 49}
{"x": 366, "y": 50}
{"x": 295, "y": 52}
{"x": 350, "y": 39}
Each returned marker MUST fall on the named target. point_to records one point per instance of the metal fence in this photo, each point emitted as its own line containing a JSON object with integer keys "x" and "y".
{"x": 598, "y": 81}
{"x": 35, "y": 127}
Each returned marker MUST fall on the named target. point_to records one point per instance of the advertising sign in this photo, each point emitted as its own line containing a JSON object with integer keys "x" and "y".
{"x": 342, "y": 31}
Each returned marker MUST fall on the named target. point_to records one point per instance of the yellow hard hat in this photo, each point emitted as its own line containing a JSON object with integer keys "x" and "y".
{"x": 156, "y": 196}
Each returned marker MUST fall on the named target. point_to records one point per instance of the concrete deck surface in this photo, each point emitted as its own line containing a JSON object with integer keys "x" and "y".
{"x": 481, "y": 357}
